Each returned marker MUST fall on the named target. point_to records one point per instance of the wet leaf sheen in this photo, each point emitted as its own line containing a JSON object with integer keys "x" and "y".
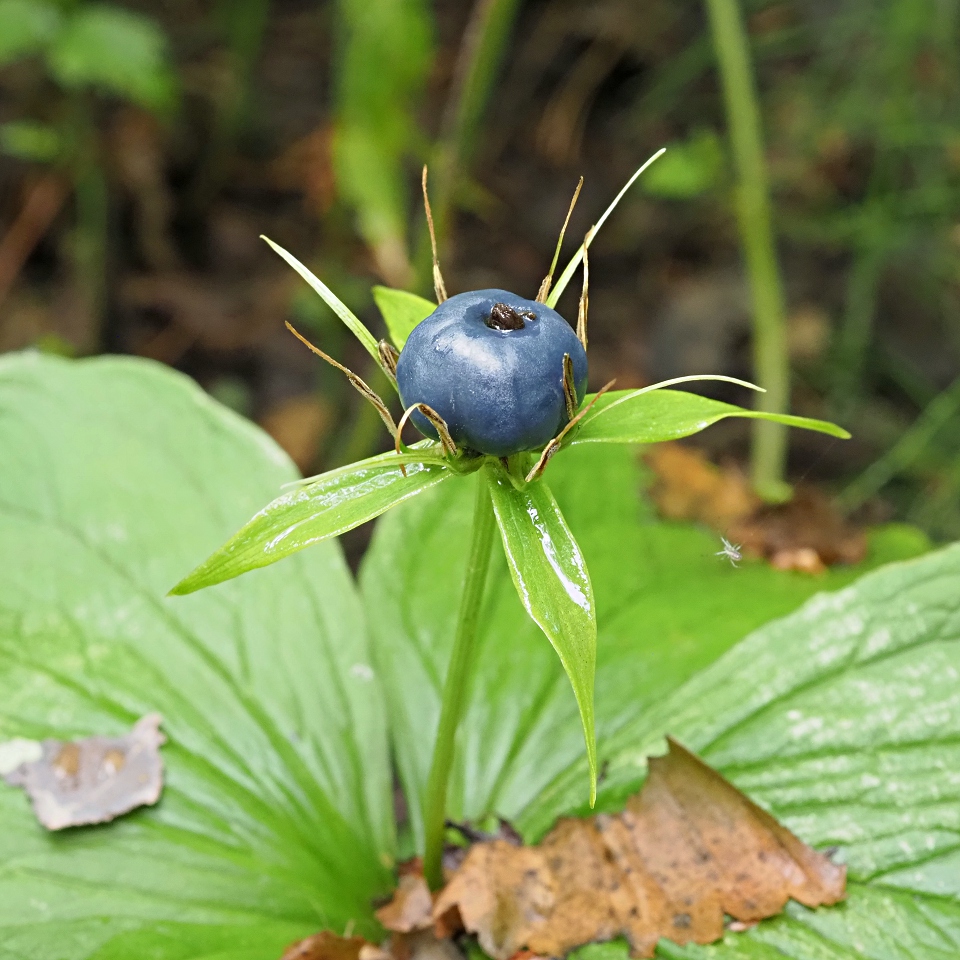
{"x": 330, "y": 505}
{"x": 553, "y": 584}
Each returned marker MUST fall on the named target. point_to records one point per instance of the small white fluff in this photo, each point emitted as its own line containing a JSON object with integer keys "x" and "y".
{"x": 731, "y": 551}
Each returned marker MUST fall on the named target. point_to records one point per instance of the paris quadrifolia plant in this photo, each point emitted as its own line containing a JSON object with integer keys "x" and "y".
{"x": 496, "y": 384}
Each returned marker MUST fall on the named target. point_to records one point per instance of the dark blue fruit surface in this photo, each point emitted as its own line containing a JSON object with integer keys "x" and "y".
{"x": 499, "y": 390}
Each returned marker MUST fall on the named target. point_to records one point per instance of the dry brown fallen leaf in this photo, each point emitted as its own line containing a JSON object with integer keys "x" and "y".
{"x": 807, "y": 534}
{"x": 411, "y": 907}
{"x": 687, "y": 850}
{"x": 80, "y": 782}
{"x": 328, "y": 946}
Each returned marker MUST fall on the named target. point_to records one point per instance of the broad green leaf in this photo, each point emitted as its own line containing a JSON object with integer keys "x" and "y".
{"x": 577, "y": 258}
{"x": 311, "y": 512}
{"x": 276, "y": 818}
{"x": 553, "y": 585}
{"x": 349, "y": 318}
{"x": 124, "y": 53}
{"x": 843, "y": 719}
{"x": 666, "y": 606}
{"x": 650, "y": 416}
{"x": 28, "y": 26}
{"x": 401, "y": 311}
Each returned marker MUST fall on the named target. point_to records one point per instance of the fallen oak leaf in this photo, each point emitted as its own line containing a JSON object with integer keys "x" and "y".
{"x": 687, "y": 850}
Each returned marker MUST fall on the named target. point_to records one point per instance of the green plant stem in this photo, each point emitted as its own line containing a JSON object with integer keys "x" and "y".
{"x": 455, "y": 687}
{"x": 770, "y": 358}
{"x": 481, "y": 54}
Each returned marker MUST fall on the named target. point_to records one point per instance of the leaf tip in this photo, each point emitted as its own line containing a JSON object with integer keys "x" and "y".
{"x": 275, "y": 247}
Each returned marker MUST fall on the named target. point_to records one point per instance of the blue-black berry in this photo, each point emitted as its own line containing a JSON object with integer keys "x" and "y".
{"x": 491, "y": 364}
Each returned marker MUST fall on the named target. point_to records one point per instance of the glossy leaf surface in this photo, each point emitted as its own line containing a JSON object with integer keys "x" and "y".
{"x": 550, "y": 574}
{"x": 311, "y": 512}
{"x": 666, "y": 606}
{"x": 651, "y": 416}
{"x": 402, "y": 311}
{"x": 842, "y": 719}
{"x": 276, "y": 817}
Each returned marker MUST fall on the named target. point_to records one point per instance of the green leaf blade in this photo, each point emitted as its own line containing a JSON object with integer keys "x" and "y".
{"x": 666, "y": 607}
{"x": 652, "y": 416}
{"x": 331, "y": 504}
{"x": 402, "y": 311}
{"x": 276, "y": 816}
{"x": 841, "y": 719}
{"x": 577, "y": 258}
{"x": 551, "y": 578}
{"x": 350, "y": 319}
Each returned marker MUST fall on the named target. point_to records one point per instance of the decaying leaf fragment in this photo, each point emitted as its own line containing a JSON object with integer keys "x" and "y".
{"x": 688, "y": 850}
{"x": 79, "y": 782}
{"x": 808, "y": 534}
{"x": 411, "y": 907}
{"x": 326, "y": 945}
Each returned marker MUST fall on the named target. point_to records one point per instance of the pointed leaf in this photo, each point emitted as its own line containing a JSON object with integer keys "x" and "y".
{"x": 325, "y": 507}
{"x": 352, "y": 321}
{"x": 553, "y": 584}
{"x": 576, "y": 259}
{"x": 401, "y": 311}
{"x": 276, "y": 818}
{"x": 841, "y": 719}
{"x": 666, "y": 606}
{"x": 651, "y": 415}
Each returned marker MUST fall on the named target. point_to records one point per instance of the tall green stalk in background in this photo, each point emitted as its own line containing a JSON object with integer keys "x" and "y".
{"x": 478, "y": 65}
{"x": 770, "y": 358}
{"x": 386, "y": 52}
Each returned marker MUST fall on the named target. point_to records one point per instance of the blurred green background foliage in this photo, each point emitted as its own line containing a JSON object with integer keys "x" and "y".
{"x": 145, "y": 146}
